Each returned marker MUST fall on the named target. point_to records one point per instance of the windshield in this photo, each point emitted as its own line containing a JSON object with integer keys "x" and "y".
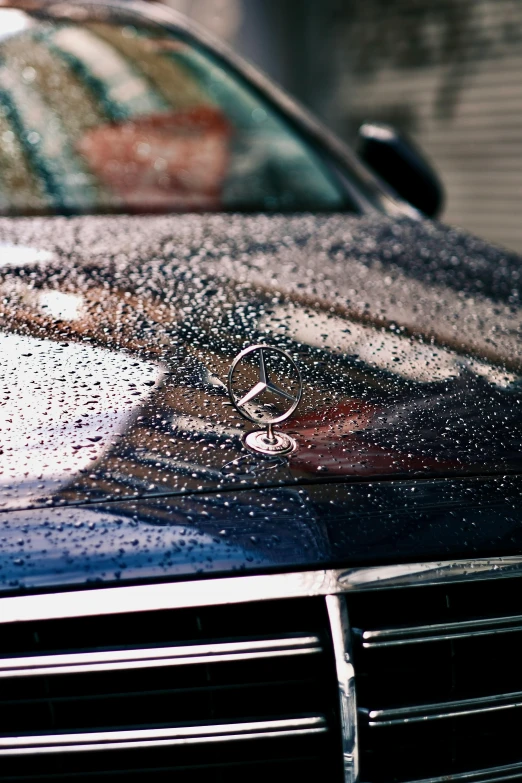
{"x": 107, "y": 117}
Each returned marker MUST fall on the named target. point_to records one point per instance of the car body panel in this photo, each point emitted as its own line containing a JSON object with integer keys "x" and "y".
{"x": 262, "y": 530}
{"x": 406, "y": 334}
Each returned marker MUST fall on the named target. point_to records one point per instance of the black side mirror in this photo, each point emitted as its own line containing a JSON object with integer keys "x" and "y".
{"x": 396, "y": 159}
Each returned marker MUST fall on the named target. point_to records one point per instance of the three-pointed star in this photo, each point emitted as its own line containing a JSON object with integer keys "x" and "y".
{"x": 262, "y": 385}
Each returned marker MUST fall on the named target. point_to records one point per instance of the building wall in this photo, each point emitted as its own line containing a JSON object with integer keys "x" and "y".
{"x": 450, "y": 74}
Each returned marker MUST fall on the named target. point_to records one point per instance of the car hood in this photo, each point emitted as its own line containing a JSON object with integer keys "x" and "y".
{"x": 263, "y": 530}
{"x": 117, "y": 334}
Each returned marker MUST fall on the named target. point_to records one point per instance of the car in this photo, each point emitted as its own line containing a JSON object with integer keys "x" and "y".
{"x": 261, "y": 430}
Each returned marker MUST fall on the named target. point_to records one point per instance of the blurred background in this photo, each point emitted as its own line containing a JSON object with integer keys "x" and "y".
{"x": 448, "y": 72}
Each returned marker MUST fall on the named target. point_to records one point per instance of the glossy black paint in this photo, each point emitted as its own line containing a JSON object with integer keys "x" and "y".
{"x": 429, "y": 390}
{"x": 406, "y": 333}
{"x": 121, "y": 457}
{"x": 261, "y": 530}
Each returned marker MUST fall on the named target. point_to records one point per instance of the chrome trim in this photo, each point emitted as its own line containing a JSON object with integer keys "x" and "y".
{"x": 182, "y": 655}
{"x": 173, "y": 595}
{"x": 341, "y": 638}
{"x": 413, "y": 574}
{"x": 449, "y": 709}
{"x": 244, "y": 589}
{"x": 388, "y": 637}
{"x": 488, "y": 775}
{"x": 146, "y": 738}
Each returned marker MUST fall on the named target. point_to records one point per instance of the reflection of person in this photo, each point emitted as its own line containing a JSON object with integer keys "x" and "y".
{"x": 164, "y": 161}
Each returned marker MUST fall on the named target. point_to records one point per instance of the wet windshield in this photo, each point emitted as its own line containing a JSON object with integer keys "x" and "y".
{"x": 108, "y": 117}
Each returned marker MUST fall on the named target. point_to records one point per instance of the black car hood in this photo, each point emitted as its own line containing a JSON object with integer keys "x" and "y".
{"x": 117, "y": 334}
{"x": 324, "y": 525}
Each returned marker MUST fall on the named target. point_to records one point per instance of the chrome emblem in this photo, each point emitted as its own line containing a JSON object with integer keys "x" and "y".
{"x": 258, "y": 401}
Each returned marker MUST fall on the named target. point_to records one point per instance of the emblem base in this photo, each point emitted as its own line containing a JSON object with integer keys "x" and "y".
{"x": 262, "y": 443}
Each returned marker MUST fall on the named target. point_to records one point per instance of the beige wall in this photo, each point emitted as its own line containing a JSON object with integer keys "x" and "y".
{"x": 449, "y": 73}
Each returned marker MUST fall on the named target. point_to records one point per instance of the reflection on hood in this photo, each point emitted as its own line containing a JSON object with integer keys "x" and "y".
{"x": 63, "y": 405}
{"x": 194, "y": 534}
{"x": 407, "y": 335}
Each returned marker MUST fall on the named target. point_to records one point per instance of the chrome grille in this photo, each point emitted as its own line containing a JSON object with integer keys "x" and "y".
{"x": 439, "y": 681}
{"x": 217, "y": 692}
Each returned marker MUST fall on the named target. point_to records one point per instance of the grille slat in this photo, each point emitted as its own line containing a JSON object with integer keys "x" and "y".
{"x": 107, "y": 660}
{"x": 147, "y": 738}
{"x": 491, "y": 775}
{"x": 447, "y": 709}
{"x": 388, "y": 637}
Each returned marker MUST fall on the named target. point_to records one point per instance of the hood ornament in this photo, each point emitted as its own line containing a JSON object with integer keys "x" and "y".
{"x": 274, "y": 367}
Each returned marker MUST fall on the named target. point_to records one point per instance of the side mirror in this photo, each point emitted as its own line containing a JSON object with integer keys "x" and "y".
{"x": 397, "y": 160}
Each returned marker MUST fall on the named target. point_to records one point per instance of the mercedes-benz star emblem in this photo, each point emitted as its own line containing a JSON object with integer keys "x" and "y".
{"x": 278, "y": 384}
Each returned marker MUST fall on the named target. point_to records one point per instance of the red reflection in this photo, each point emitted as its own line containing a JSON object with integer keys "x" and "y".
{"x": 173, "y": 161}
{"x": 332, "y": 443}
